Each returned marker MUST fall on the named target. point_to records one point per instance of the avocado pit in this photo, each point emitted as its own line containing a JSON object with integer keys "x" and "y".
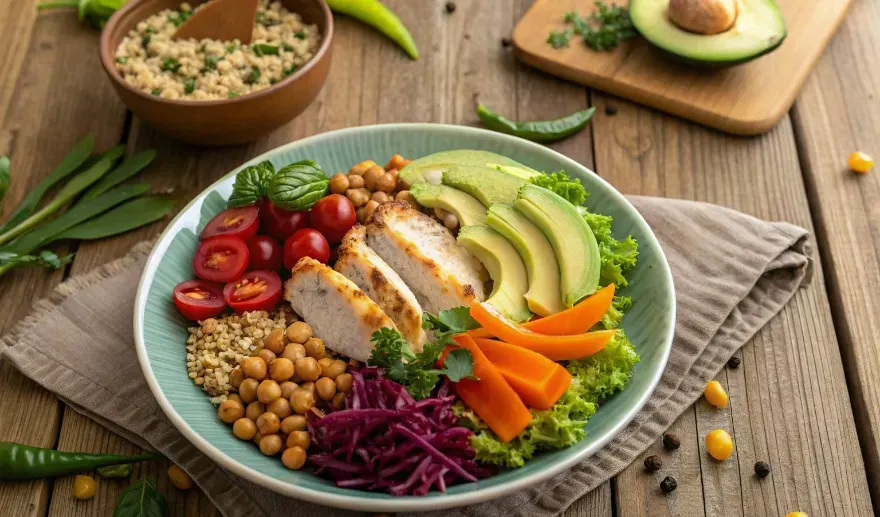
{"x": 703, "y": 16}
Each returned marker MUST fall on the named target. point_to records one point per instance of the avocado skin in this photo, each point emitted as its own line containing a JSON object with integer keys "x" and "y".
{"x": 708, "y": 65}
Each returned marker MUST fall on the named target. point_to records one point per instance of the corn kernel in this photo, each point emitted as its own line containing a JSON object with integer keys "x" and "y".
{"x": 860, "y": 162}
{"x": 719, "y": 444}
{"x": 796, "y": 514}
{"x": 715, "y": 394}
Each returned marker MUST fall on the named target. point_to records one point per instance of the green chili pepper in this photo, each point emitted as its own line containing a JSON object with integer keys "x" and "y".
{"x": 19, "y": 461}
{"x": 537, "y": 130}
{"x": 376, "y": 15}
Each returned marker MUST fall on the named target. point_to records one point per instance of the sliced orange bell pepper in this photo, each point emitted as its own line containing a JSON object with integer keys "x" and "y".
{"x": 539, "y": 381}
{"x": 557, "y": 348}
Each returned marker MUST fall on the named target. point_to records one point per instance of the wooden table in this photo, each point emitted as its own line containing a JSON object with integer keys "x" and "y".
{"x": 807, "y": 396}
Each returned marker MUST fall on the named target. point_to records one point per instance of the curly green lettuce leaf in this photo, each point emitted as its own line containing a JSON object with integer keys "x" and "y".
{"x": 252, "y": 184}
{"x": 608, "y": 371}
{"x": 562, "y": 184}
{"x": 612, "y": 318}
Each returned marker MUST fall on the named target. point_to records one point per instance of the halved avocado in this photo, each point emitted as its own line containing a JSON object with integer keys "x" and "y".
{"x": 466, "y": 207}
{"x": 430, "y": 168}
{"x": 757, "y": 29}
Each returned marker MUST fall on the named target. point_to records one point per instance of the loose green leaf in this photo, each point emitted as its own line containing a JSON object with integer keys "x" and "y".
{"x": 298, "y": 186}
{"x": 262, "y": 49}
{"x": 121, "y": 219}
{"x": 124, "y": 171}
{"x": 141, "y": 499}
{"x": 459, "y": 365}
{"x": 115, "y": 471}
{"x": 448, "y": 323}
{"x": 4, "y": 176}
{"x": 252, "y": 184}
{"x": 45, "y": 258}
{"x": 68, "y": 165}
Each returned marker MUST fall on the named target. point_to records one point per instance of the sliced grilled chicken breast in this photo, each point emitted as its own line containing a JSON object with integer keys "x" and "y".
{"x": 338, "y": 311}
{"x": 367, "y": 270}
{"x": 439, "y": 272}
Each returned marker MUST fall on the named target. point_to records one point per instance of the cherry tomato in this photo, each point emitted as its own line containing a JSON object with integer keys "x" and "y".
{"x": 306, "y": 243}
{"x": 255, "y": 291}
{"x": 333, "y": 215}
{"x": 265, "y": 253}
{"x": 242, "y": 222}
{"x": 221, "y": 259}
{"x": 281, "y": 223}
{"x": 199, "y": 300}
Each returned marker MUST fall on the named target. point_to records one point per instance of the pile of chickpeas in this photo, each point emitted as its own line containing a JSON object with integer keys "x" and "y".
{"x": 367, "y": 185}
{"x": 278, "y": 386}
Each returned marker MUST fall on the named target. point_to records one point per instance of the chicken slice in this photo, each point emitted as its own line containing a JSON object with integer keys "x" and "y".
{"x": 424, "y": 253}
{"x": 367, "y": 270}
{"x": 338, "y": 311}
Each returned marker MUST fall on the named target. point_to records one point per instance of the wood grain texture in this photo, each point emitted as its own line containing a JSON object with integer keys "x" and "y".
{"x": 838, "y": 113}
{"x": 20, "y": 15}
{"x": 746, "y": 99}
{"x": 788, "y": 401}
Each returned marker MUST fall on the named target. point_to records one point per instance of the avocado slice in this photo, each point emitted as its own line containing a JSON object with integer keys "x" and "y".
{"x": 429, "y": 168}
{"x": 489, "y": 186}
{"x": 509, "y": 278}
{"x": 543, "y": 297}
{"x": 758, "y": 29}
{"x": 519, "y": 172}
{"x": 571, "y": 237}
{"x": 466, "y": 207}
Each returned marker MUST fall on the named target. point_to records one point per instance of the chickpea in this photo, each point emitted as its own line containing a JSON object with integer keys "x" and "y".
{"x": 275, "y": 341}
{"x": 236, "y": 376}
{"x": 450, "y": 221}
{"x": 359, "y": 213}
{"x": 294, "y": 458}
{"x": 380, "y": 197}
{"x": 268, "y": 423}
{"x": 254, "y": 410}
{"x": 268, "y": 391}
{"x": 393, "y": 172}
{"x": 299, "y": 439}
{"x": 257, "y": 438}
{"x": 339, "y": 401}
{"x": 248, "y": 390}
{"x": 270, "y": 445}
{"x": 293, "y": 423}
{"x": 344, "y": 382}
{"x": 356, "y": 182}
{"x": 244, "y": 429}
{"x": 315, "y": 348}
{"x": 360, "y": 168}
{"x": 281, "y": 407}
{"x": 339, "y": 183}
{"x": 281, "y": 369}
{"x": 266, "y": 355}
{"x": 719, "y": 444}
{"x": 395, "y": 162}
{"x": 235, "y": 397}
{"x": 369, "y": 208}
{"x": 308, "y": 386}
{"x": 254, "y": 367}
{"x": 372, "y": 174}
{"x": 715, "y": 394}
{"x": 440, "y": 213}
{"x": 334, "y": 369}
{"x": 406, "y": 195}
{"x": 293, "y": 352}
{"x": 358, "y": 196}
{"x": 324, "y": 362}
{"x": 302, "y": 400}
{"x": 287, "y": 389}
{"x": 230, "y": 411}
{"x": 386, "y": 183}
{"x": 179, "y": 478}
{"x": 325, "y": 387}
{"x": 299, "y": 332}
{"x": 307, "y": 368}
{"x": 84, "y": 487}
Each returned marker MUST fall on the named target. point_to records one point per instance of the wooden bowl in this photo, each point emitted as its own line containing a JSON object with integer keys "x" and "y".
{"x": 224, "y": 121}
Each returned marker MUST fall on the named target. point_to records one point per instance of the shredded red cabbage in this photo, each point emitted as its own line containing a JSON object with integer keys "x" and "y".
{"x": 387, "y": 441}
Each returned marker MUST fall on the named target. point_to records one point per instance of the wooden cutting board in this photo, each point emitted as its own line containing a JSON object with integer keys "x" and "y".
{"x": 746, "y": 99}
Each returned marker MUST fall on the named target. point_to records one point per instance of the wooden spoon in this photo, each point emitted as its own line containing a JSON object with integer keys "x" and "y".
{"x": 222, "y": 20}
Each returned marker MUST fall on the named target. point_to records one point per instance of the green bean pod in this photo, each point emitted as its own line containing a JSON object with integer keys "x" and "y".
{"x": 18, "y": 461}
{"x": 537, "y": 130}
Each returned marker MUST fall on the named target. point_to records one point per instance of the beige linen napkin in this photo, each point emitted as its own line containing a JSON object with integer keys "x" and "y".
{"x": 78, "y": 343}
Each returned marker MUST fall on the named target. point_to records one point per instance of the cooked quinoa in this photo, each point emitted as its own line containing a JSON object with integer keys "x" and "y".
{"x": 150, "y": 59}
{"x": 218, "y": 345}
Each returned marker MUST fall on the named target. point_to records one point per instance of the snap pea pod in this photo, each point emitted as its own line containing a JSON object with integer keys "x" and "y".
{"x": 376, "y": 15}
{"x": 537, "y": 130}
{"x": 18, "y": 461}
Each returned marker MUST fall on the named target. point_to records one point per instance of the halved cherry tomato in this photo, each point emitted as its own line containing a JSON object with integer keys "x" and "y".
{"x": 199, "y": 300}
{"x": 221, "y": 259}
{"x": 333, "y": 215}
{"x": 255, "y": 291}
{"x": 306, "y": 243}
{"x": 281, "y": 223}
{"x": 265, "y": 253}
{"x": 242, "y": 222}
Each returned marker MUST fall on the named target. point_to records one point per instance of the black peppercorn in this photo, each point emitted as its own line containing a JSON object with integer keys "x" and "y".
{"x": 506, "y": 43}
{"x": 671, "y": 442}
{"x": 733, "y": 362}
{"x": 653, "y": 463}
{"x": 450, "y": 7}
{"x": 668, "y": 484}
{"x": 610, "y": 109}
{"x": 762, "y": 469}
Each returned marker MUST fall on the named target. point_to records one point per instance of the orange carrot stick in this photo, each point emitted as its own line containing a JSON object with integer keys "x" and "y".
{"x": 538, "y": 380}
{"x": 557, "y": 348}
{"x": 577, "y": 320}
{"x": 491, "y": 397}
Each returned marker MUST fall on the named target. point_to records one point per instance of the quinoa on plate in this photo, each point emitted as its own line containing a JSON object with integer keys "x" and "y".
{"x": 150, "y": 59}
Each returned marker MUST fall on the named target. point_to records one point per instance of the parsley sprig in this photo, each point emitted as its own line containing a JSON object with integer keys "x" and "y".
{"x": 602, "y": 30}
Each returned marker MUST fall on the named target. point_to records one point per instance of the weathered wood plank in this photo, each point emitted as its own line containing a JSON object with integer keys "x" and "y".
{"x": 838, "y": 113}
{"x": 789, "y": 402}
{"x": 18, "y": 20}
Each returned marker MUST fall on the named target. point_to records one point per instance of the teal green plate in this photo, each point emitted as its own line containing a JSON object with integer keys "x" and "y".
{"x": 160, "y": 332}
